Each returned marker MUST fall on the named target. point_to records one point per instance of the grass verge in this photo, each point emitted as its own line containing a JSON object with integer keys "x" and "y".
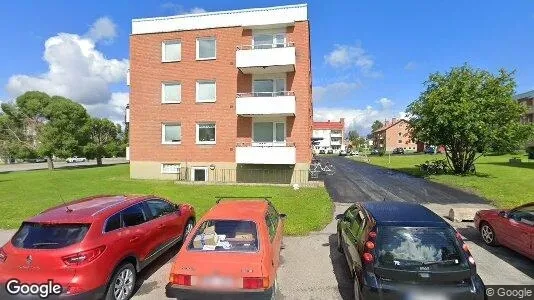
{"x": 26, "y": 193}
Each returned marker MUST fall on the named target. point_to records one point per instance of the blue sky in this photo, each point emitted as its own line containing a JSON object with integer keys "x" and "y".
{"x": 369, "y": 58}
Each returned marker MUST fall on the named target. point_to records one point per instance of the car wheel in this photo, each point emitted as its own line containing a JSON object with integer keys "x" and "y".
{"x": 188, "y": 228}
{"x": 357, "y": 291}
{"x": 488, "y": 234}
{"x": 122, "y": 283}
{"x": 339, "y": 243}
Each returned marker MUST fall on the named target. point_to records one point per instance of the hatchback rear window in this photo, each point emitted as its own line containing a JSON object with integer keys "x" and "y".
{"x": 226, "y": 235}
{"x": 410, "y": 248}
{"x": 48, "y": 236}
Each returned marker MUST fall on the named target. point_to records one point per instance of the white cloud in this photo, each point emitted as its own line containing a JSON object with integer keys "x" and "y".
{"x": 113, "y": 110}
{"x": 346, "y": 56}
{"x": 102, "y": 29}
{"x": 358, "y": 119}
{"x": 76, "y": 70}
{"x": 180, "y": 10}
{"x": 410, "y": 66}
{"x": 334, "y": 90}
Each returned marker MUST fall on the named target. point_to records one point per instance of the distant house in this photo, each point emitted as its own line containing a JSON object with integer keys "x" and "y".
{"x": 394, "y": 134}
{"x": 332, "y": 134}
{"x": 527, "y": 99}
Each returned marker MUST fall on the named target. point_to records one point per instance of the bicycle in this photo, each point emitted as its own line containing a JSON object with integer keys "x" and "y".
{"x": 317, "y": 167}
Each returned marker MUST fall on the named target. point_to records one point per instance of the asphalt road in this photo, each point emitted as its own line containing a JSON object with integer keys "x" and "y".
{"x": 59, "y": 164}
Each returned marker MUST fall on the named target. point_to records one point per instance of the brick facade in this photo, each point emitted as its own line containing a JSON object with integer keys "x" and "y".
{"x": 394, "y": 134}
{"x": 147, "y": 112}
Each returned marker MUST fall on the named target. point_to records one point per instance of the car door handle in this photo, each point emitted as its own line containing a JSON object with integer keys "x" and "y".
{"x": 134, "y": 239}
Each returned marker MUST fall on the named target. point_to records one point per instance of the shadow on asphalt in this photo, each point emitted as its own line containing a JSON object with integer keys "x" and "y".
{"x": 143, "y": 288}
{"x": 341, "y": 270}
{"x": 513, "y": 258}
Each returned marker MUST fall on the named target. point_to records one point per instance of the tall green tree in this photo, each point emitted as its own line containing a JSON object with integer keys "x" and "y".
{"x": 376, "y": 125}
{"x": 355, "y": 139}
{"x": 104, "y": 139}
{"x": 47, "y": 126}
{"x": 469, "y": 111}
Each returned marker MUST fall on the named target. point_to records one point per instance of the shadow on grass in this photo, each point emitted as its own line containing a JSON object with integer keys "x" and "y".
{"x": 516, "y": 260}
{"x": 526, "y": 165}
{"x": 341, "y": 270}
{"x": 415, "y": 171}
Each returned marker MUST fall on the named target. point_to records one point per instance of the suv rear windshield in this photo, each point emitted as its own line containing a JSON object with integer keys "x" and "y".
{"x": 226, "y": 235}
{"x": 410, "y": 248}
{"x": 48, "y": 236}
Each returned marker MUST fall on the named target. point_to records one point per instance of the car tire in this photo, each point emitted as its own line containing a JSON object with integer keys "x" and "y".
{"x": 356, "y": 290}
{"x": 488, "y": 234}
{"x": 122, "y": 283}
{"x": 339, "y": 242}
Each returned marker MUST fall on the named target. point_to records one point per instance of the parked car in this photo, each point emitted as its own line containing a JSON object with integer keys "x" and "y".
{"x": 35, "y": 160}
{"x": 322, "y": 151}
{"x": 94, "y": 247}
{"x": 342, "y": 153}
{"x": 329, "y": 151}
{"x": 430, "y": 150}
{"x": 76, "y": 159}
{"x": 405, "y": 251}
{"x": 375, "y": 152}
{"x": 233, "y": 251}
{"x": 398, "y": 150}
{"x": 512, "y": 228}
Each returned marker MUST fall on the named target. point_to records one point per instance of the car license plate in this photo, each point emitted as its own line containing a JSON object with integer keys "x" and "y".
{"x": 426, "y": 296}
{"x": 218, "y": 282}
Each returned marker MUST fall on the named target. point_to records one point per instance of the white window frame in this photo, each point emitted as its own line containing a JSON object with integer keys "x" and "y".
{"x": 163, "y": 133}
{"x": 176, "y": 172}
{"x": 206, "y": 170}
{"x": 163, "y": 58}
{"x": 215, "y": 93}
{"x": 206, "y": 142}
{"x": 272, "y": 33}
{"x": 207, "y": 38}
{"x": 163, "y": 84}
{"x": 273, "y": 143}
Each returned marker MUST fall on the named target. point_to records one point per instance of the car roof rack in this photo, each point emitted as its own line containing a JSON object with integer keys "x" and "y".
{"x": 266, "y": 198}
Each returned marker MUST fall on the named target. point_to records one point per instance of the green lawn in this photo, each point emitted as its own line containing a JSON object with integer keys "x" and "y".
{"x": 23, "y": 194}
{"x": 496, "y": 180}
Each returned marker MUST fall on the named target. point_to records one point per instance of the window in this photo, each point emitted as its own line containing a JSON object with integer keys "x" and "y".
{"x": 266, "y": 41}
{"x": 171, "y": 92}
{"x": 206, "y": 48}
{"x": 48, "y": 236}
{"x": 133, "y": 216}
{"x": 269, "y": 87}
{"x": 269, "y": 132}
{"x": 113, "y": 223}
{"x": 170, "y": 168}
{"x": 524, "y": 215}
{"x": 400, "y": 141}
{"x": 239, "y": 236}
{"x": 171, "y": 133}
{"x": 199, "y": 173}
{"x": 159, "y": 208}
{"x": 171, "y": 51}
{"x": 206, "y": 133}
{"x": 206, "y": 91}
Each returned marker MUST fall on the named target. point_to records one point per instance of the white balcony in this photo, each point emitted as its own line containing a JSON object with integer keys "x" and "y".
{"x": 335, "y": 142}
{"x": 335, "y": 134}
{"x": 264, "y": 59}
{"x": 278, "y": 103}
{"x": 265, "y": 155}
{"x": 128, "y": 77}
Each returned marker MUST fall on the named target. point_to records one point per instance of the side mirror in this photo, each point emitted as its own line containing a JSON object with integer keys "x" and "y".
{"x": 178, "y": 208}
{"x": 283, "y": 216}
{"x": 503, "y": 214}
{"x": 340, "y": 217}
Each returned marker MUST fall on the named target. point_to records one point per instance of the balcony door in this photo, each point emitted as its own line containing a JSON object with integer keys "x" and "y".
{"x": 268, "y": 133}
{"x": 268, "y": 87}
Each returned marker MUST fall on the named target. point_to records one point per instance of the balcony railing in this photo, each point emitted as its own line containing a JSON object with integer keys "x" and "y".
{"x": 282, "y": 103}
{"x": 266, "y": 58}
{"x": 266, "y": 154}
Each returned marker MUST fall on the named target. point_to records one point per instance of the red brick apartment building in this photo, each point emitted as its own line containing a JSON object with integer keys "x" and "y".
{"x": 394, "y": 134}
{"x": 221, "y": 96}
{"x": 527, "y": 99}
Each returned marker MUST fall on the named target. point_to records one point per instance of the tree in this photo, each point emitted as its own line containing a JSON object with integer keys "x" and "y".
{"x": 104, "y": 139}
{"x": 46, "y": 126}
{"x": 355, "y": 139}
{"x": 376, "y": 125}
{"x": 468, "y": 111}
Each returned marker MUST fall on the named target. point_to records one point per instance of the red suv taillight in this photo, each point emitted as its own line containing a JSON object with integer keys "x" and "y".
{"x": 83, "y": 257}
{"x": 253, "y": 283}
{"x": 3, "y": 255}
{"x": 370, "y": 245}
{"x": 180, "y": 279}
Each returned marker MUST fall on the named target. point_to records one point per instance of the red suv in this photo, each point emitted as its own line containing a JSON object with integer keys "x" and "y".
{"x": 91, "y": 248}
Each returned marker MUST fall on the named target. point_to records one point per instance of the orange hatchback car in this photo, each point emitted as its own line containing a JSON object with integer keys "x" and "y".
{"x": 232, "y": 253}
